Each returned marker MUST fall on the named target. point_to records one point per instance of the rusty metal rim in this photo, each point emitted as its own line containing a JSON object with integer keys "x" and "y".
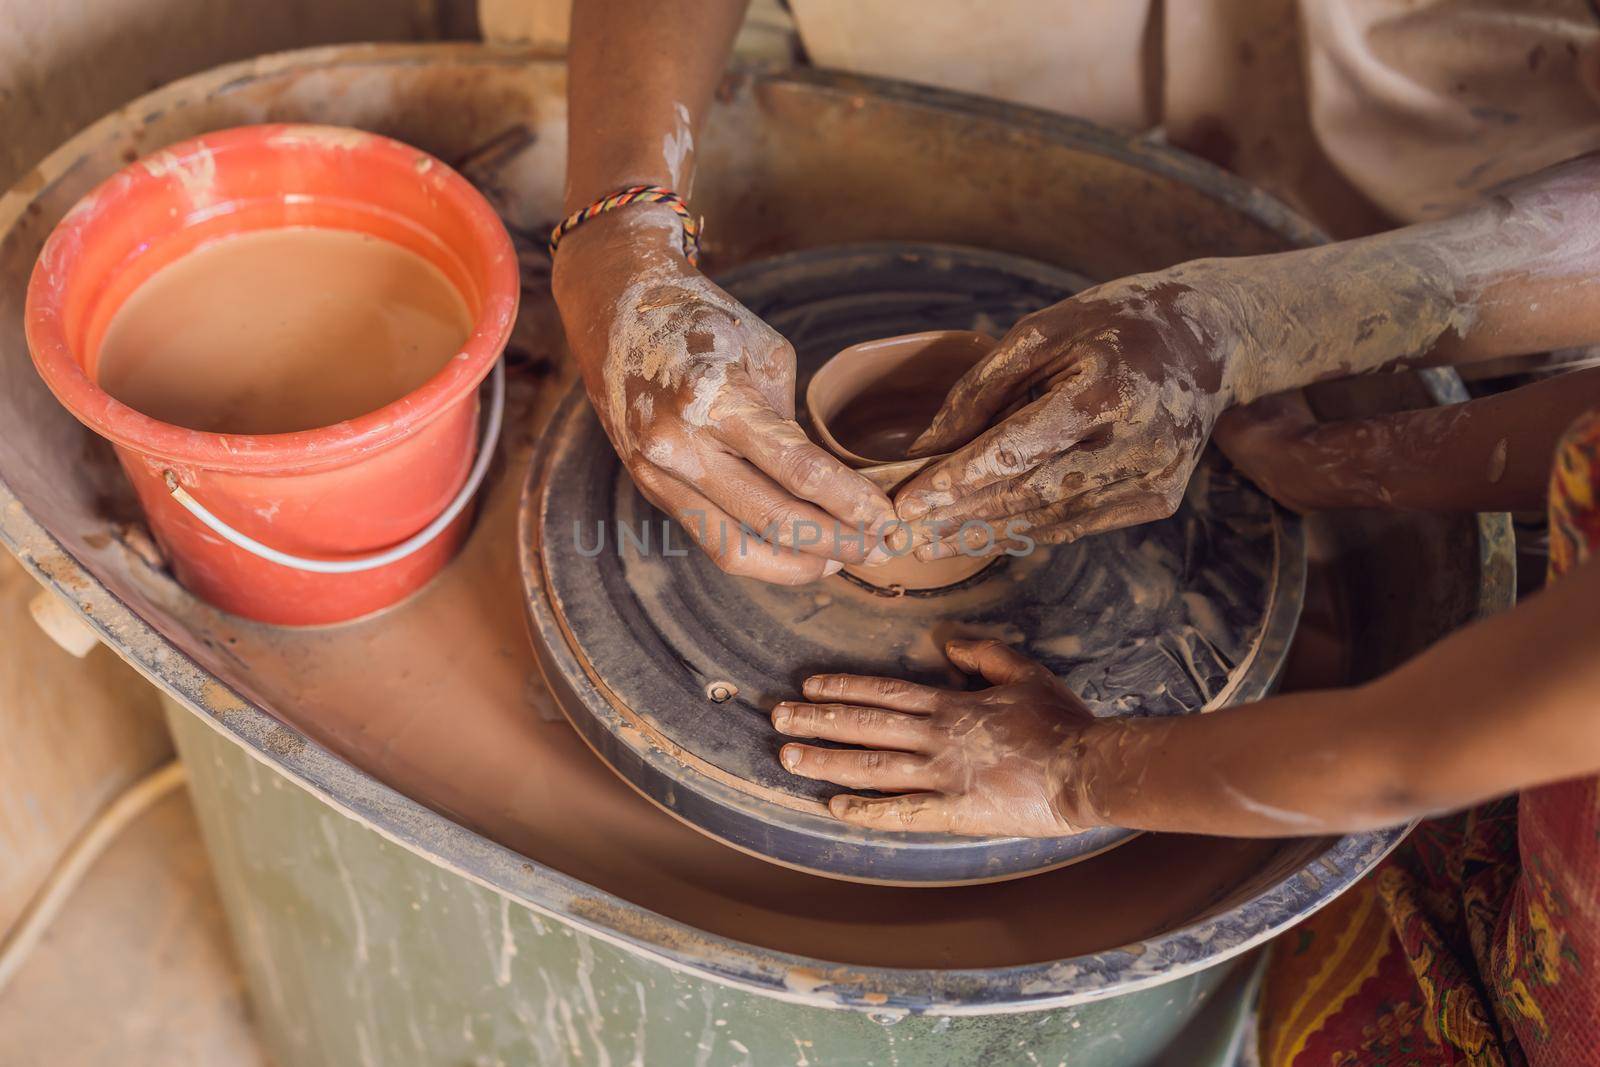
{"x": 668, "y": 942}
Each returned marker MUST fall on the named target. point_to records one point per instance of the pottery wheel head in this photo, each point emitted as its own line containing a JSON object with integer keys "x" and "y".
{"x": 669, "y": 668}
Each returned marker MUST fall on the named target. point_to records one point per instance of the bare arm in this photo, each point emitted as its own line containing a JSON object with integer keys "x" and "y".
{"x": 1492, "y": 454}
{"x": 641, "y": 76}
{"x": 1504, "y": 705}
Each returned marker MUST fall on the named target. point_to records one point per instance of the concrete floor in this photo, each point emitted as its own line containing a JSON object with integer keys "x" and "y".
{"x": 137, "y": 969}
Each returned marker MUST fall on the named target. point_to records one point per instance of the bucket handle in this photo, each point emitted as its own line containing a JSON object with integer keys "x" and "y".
{"x": 480, "y": 467}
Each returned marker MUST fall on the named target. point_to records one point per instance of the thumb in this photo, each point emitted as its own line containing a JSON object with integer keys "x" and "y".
{"x": 999, "y": 664}
{"x": 982, "y": 393}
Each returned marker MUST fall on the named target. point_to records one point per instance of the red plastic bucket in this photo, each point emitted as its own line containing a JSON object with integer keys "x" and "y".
{"x": 336, "y": 494}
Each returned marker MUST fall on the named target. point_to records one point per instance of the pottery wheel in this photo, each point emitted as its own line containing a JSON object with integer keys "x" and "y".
{"x": 669, "y": 668}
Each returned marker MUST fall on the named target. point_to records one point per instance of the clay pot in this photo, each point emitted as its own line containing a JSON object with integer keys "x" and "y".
{"x": 870, "y": 402}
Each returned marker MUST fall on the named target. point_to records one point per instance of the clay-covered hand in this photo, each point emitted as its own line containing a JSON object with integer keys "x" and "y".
{"x": 697, "y": 396}
{"x": 1001, "y": 761}
{"x": 1303, "y": 464}
{"x": 1127, "y": 379}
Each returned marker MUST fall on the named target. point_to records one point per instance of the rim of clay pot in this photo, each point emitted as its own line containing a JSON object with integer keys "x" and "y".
{"x": 874, "y": 369}
{"x": 881, "y": 471}
{"x": 48, "y": 311}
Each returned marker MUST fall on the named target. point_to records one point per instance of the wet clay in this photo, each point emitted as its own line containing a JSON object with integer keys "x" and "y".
{"x": 281, "y": 330}
{"x": 466, "y": 726}
{"x": 868, "y": 404}
{"x": 872, "y": 400}
{"x": 884, "y": 427}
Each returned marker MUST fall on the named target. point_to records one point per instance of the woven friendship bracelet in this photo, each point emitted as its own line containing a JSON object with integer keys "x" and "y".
{"x": 635, "y": 194}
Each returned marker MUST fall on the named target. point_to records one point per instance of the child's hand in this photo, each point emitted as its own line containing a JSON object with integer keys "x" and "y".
{"x": 1302, "y": 464}
{"x": 1003, "y": 761}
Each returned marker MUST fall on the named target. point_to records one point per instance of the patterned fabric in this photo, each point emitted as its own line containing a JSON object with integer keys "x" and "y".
{"x": 1478, "y": 942}
{"x": 1575, "y": 497}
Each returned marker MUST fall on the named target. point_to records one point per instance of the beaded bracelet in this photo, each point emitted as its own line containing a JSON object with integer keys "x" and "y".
{"x": 635, "y": 194}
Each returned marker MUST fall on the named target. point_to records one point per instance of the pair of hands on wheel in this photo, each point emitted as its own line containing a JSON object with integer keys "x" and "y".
{"x": 1115, "y": 392}
{"x": 697, "y": 396}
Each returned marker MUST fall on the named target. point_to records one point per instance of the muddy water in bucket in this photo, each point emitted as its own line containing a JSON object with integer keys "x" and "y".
{"x": 281, "y": 330}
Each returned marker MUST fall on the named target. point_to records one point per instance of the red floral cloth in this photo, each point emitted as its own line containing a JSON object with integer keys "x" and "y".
{"x": 1478, "y": 941}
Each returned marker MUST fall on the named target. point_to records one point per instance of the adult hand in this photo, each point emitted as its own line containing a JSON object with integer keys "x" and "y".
{"x": 1131, "y": 376}
{"x": 697, "y": 396}
{"x": 1003, "y": 761}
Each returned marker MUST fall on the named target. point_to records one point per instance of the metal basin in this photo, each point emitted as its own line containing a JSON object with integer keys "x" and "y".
{"x": 388, "y": 804}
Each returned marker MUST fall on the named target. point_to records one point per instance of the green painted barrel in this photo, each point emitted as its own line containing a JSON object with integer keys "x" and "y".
{"x": 383, "y": 921}
{"x": 358, "y": 950}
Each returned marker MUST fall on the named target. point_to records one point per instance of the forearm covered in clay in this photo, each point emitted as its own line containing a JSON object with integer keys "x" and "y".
{"x": 1502, "y": 706}
{"x": 1517, "y": 273}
